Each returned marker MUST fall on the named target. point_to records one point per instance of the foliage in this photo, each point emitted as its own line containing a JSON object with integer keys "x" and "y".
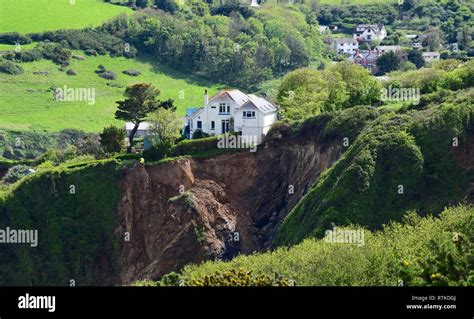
{"x": 305, "y": 93}
{"x": 237, "y": 278}
{"x": 10, "y": 68}
{"x": 242, "y": 47}
{"x": 398, "y": 162}
{"x": 75, "y": 230}
{"x": 112, "y": 139}
{"x": 380, "y": 261}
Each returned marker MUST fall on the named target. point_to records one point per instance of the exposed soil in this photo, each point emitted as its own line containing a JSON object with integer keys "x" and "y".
{"x": 232, "y": 204}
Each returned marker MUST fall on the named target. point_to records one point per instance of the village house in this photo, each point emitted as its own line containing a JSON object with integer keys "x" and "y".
{"x": 345, "y": 46}
{"x": 430, "y": 56}
{"x": 324, "y": 29}
{"x": 232, "y": 111}
{"x": 388, "y": 48}
{"x": 370, "y": 32}
{"x": 366, "y": 59}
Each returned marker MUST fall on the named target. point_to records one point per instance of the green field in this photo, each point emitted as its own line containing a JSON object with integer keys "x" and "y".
{"x": 26, "y": 16}
{"x": 27, "y": 101}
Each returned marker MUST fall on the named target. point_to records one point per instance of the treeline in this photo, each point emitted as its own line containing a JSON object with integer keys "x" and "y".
{"x": 242, "y": 48}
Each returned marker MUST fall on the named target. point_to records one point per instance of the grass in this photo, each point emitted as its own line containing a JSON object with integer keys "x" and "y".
{"x": 27, "y": 102}
{"x": 26, "y": 16}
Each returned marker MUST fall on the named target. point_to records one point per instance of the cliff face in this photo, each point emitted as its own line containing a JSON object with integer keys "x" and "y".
{"x": 191, "y": 210}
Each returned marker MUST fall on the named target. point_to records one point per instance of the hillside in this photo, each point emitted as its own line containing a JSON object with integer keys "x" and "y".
{"x": 27, "y": 16}
{"x": 27, "y": 100}
{"x": 246, "y": 195}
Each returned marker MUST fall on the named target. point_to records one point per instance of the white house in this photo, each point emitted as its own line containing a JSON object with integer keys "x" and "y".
{"x": 430, "y": 56}
{"x": 345, "y": 46}
{"x": 370, "y": 32}
{"x": 233, "y": 111}
{"x": 324, "y": 29}
{"x": 143, "y": 129}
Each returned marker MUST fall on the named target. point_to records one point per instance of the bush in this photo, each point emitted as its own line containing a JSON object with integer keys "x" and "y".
{"x": 71, "y": 72}
{"x": 91, "y": 52}
{"x": 197, "y": 134}
{"x": 419, "y": 251}
{"x": 193, "y": 146}
{"x": 112, "y": 139}
{"x": 108, "y": 75}
{"x": 131, "y": 72}
{"x": 157, "y": 152}
{"x": 10, "y": 68}
{"x": 14, "y": 38}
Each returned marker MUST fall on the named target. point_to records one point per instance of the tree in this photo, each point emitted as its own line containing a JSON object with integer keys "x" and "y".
{"x": 362, "y": 87}
{"x": 387, "y": 62}
{"x": 416, "y": 57}
{"x": 165, "y": 126}
{"x": 434, "y": 39}
{"x": 464, "y": 37}
{"x": 112, "y": 139}
{"x": 141, "y": 99}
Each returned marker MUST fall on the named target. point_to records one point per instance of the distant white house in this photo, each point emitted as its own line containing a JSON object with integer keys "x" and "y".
{"x": 370, "y": 32}
{"x": 143, "y": 129}
{"x": 324, "y": 29}
{"x": 388, "y": 48}
{"x": 430, "y": 56}
{"x": 345, "y": 46}
{"x": 233, "y": 111}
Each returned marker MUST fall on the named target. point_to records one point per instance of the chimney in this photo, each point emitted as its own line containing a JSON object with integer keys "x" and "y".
{"x": 206, "y": 98}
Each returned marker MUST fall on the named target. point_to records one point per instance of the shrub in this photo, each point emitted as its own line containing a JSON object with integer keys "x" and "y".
{"x": 194, "y": 146}
{"x": 14, "y": 38}
{"x": 131, "y": 72}
{"x": 108, "y": 75}
{"x": 112, "y": 139}
{"x": 197, "y": 134}
{"x": 10, "y": 68}
{"x": 91, "y": 52}
{"x": 71, "y": 72}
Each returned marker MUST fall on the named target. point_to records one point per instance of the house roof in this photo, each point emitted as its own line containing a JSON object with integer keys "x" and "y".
{"x": 366, "y": 55}
{"x": 430, "y": 54}
{"x": 143, "y": 126}
{"x": 192, "y": 111}
{"x": 260, "y": 103}
{"x": 345, "y": 40}
{"x": 388, "y": 48}
{"x": 236, "y": 95}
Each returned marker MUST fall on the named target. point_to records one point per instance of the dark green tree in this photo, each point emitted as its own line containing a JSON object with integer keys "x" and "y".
{"x": 141, "y": 99}
{"x": 387, "y": 62}
{"x": 112, "y": 139}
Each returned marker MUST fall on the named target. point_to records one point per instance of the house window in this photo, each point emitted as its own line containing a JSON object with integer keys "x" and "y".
{"x": 224, "y": 108}
{"x": 249, "y": 114}
{"x": 199, "y": 125}
{"x": 225, "y": 126}
{"x": 213, "y": 125}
